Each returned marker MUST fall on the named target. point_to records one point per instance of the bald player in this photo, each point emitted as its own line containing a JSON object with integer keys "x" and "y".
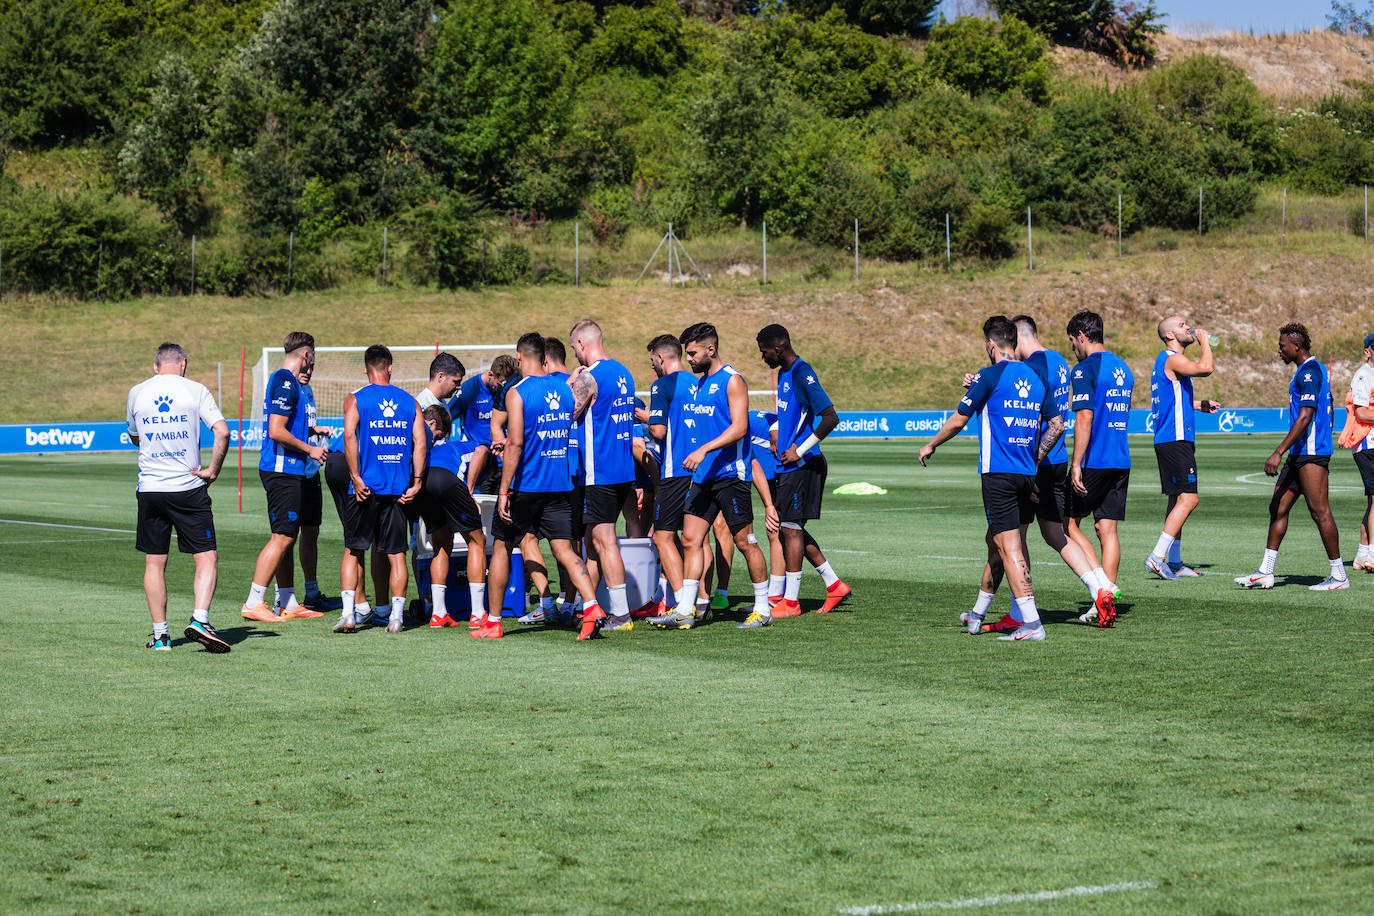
{"x": 1171, "y": 412}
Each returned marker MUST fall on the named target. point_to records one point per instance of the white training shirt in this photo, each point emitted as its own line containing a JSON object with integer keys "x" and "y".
{"x": 427, "y": 398}
{"x": 165, "y": 413}
{"x": 1360, "y": 387}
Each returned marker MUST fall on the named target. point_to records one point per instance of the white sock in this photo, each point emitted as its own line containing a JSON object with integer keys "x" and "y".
{"x": 398, "y": 609}
{"x": 1271, "y": 558}
{"x": 477, "y": 597}
{"x": 1162, "y": 546}
{"x": 1338, "y": 568}
{"x": 662, "y": 589}
{"x": 201, "y": 615}
{"x": 436, "y": 593}
{"x": 159, "y": 629}
{"x": 1176, "y": 551}
{"x": 1102, "y": 580}
{"x": 1089, "y": 580}
{"x": 620, "y": 605}
{"x": 346, "y": 596}
{"x": 546, "y": 603}
{"x": 312, "y": 587}
{"x": 361, "y": 610}
{"x": 1026, "y": 612}
{"x": 687, "y": 595}
{"x": 827, "y": 574}
{"x": 256, "y": 595}
{"x": 286, "y": 598}
{"x": 761, "y": 597}
{"x": 775, "y": 585}
{"x": 1362, "y": 552}
{"x": 792, "y": 589}
{"x": 980, "y": 607}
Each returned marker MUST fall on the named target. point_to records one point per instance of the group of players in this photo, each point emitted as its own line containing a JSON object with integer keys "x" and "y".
{"x": 568, "y": 454}
{"x": 561, "y": 452}
{"x": 1024, "y": 403}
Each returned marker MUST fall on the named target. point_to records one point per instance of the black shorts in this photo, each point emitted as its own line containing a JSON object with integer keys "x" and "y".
{"x": 798, "y": 497}
{"x": 285, "y": 501}
{"x": 1365, "y": 462}
{"x": 576, "y": 503}
{"x": 671, "y": 502}
{"x": 446, "y": 503}
{"x": 1052, "y": 488}
{"x": 727, "y": 496}
{"x": 1288, "y": 474}
{"x": 544, "y": 515}
{"x": 188, "y": 511}
{"x": 1007, "y": 501}
{"x": 603, "y": 502}
{"x": 349, "y": 509}
{"x": 383, "y": 524}
{"x": 312, "y": 502}
{"x": 1106, "y": 497}
{"x": 1177, "y": 467}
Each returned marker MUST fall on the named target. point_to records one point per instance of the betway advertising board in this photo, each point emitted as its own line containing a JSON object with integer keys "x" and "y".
{"x": 44, "y": 438}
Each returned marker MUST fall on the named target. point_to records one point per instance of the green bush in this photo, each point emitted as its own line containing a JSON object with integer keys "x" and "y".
{"x": 1318, "y": 155}
{"x": 89, "y": 242}
{"x": 511, "y": 265}
{"x": 986, "y": 56}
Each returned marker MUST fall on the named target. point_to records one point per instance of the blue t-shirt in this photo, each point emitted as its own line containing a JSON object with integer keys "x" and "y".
{"x": 1102, "y": 383}
{"x": 283, "y": 399}
{"x": 1053, "y": 370}
{"x": 1011, "y": 401}
{"x": 761, "y": 444}
{"x": 472, "y": 410}
{"x": 547, "y": 410}
{"x": 453, "y": 456}
{"x": 668, "y": 400}
{"x": 386, "y": 417}
{"x": 709, "y": 416}
{"x": 1311, "y": 387}
{"x": 800, "y": 399}
{"x": 607, "y": 432}
{"x": 1171, "y": 403}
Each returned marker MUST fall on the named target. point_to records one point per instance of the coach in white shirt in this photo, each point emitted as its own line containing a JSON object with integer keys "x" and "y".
{"x": 164, "y": 417}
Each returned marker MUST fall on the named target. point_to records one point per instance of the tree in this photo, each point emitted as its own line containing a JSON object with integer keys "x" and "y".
{"x": 59, "y": 80}
{"x": 880, "y": 17}
{"x": 156, "y": 155}
{"x": 498, "y": 89}
{"x": 1125, "y": 33}
{"x": 1348, "y": 20}
{"x": 981, "y": 55}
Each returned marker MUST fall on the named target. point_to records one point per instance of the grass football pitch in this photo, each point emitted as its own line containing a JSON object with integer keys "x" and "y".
{"x": 1213, "y": 753}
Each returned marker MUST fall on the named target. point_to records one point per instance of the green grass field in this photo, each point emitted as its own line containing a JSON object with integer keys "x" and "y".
{"x": 1211, "y": 754}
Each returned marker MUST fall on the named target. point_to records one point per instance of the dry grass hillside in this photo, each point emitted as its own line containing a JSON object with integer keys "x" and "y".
{"x": 1288, "y": 67}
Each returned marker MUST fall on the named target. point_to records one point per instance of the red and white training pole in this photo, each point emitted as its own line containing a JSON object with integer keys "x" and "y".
{"x": 243, "y": 361}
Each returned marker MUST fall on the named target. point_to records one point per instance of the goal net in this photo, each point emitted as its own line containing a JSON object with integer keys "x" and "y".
{"x": 339, "y": 371}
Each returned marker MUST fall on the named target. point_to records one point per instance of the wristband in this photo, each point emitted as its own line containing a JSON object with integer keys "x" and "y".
{"x": 507, "y": 493}
{"x": 810, "y": 443}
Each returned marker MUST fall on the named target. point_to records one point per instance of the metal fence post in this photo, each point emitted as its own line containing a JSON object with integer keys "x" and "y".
{"x": 765, "y": 252}
{"x": 577, "y": 255}
{"x": 949, "y": 263}
{"x": 1283, "y": 225}
{"x": 1118, "y": 224}
{"x": 1030, "y": 243}
{"x": 193, "y": 264}
{"x": 1199, "y": 211}
{"x": 384, "y": 228}
{"x": 856, "y": 251}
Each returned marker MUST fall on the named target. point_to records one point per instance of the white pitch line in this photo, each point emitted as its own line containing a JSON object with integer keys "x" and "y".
{"x": 887, "y": 509}
{"x": 998, "y": 900}
{"x": 1269, "y": 482}
{"x": 15, "y": 521}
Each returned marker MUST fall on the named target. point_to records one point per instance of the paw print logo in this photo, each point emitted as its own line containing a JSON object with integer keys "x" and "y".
{"x": 552, "y": 400}
{"x": 164, "y": 403}
{"x": 810, "y": 380}
{"x": 388, "y": 408}
{"x": 1063, "y": 374}
{"x": 1023, "y": 388}
{"x": 624, "y": 389}
{"x": 1120, "y": 376}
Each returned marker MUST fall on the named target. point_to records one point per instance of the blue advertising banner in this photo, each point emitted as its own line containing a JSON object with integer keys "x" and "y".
{"x": 40, "y": 438}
